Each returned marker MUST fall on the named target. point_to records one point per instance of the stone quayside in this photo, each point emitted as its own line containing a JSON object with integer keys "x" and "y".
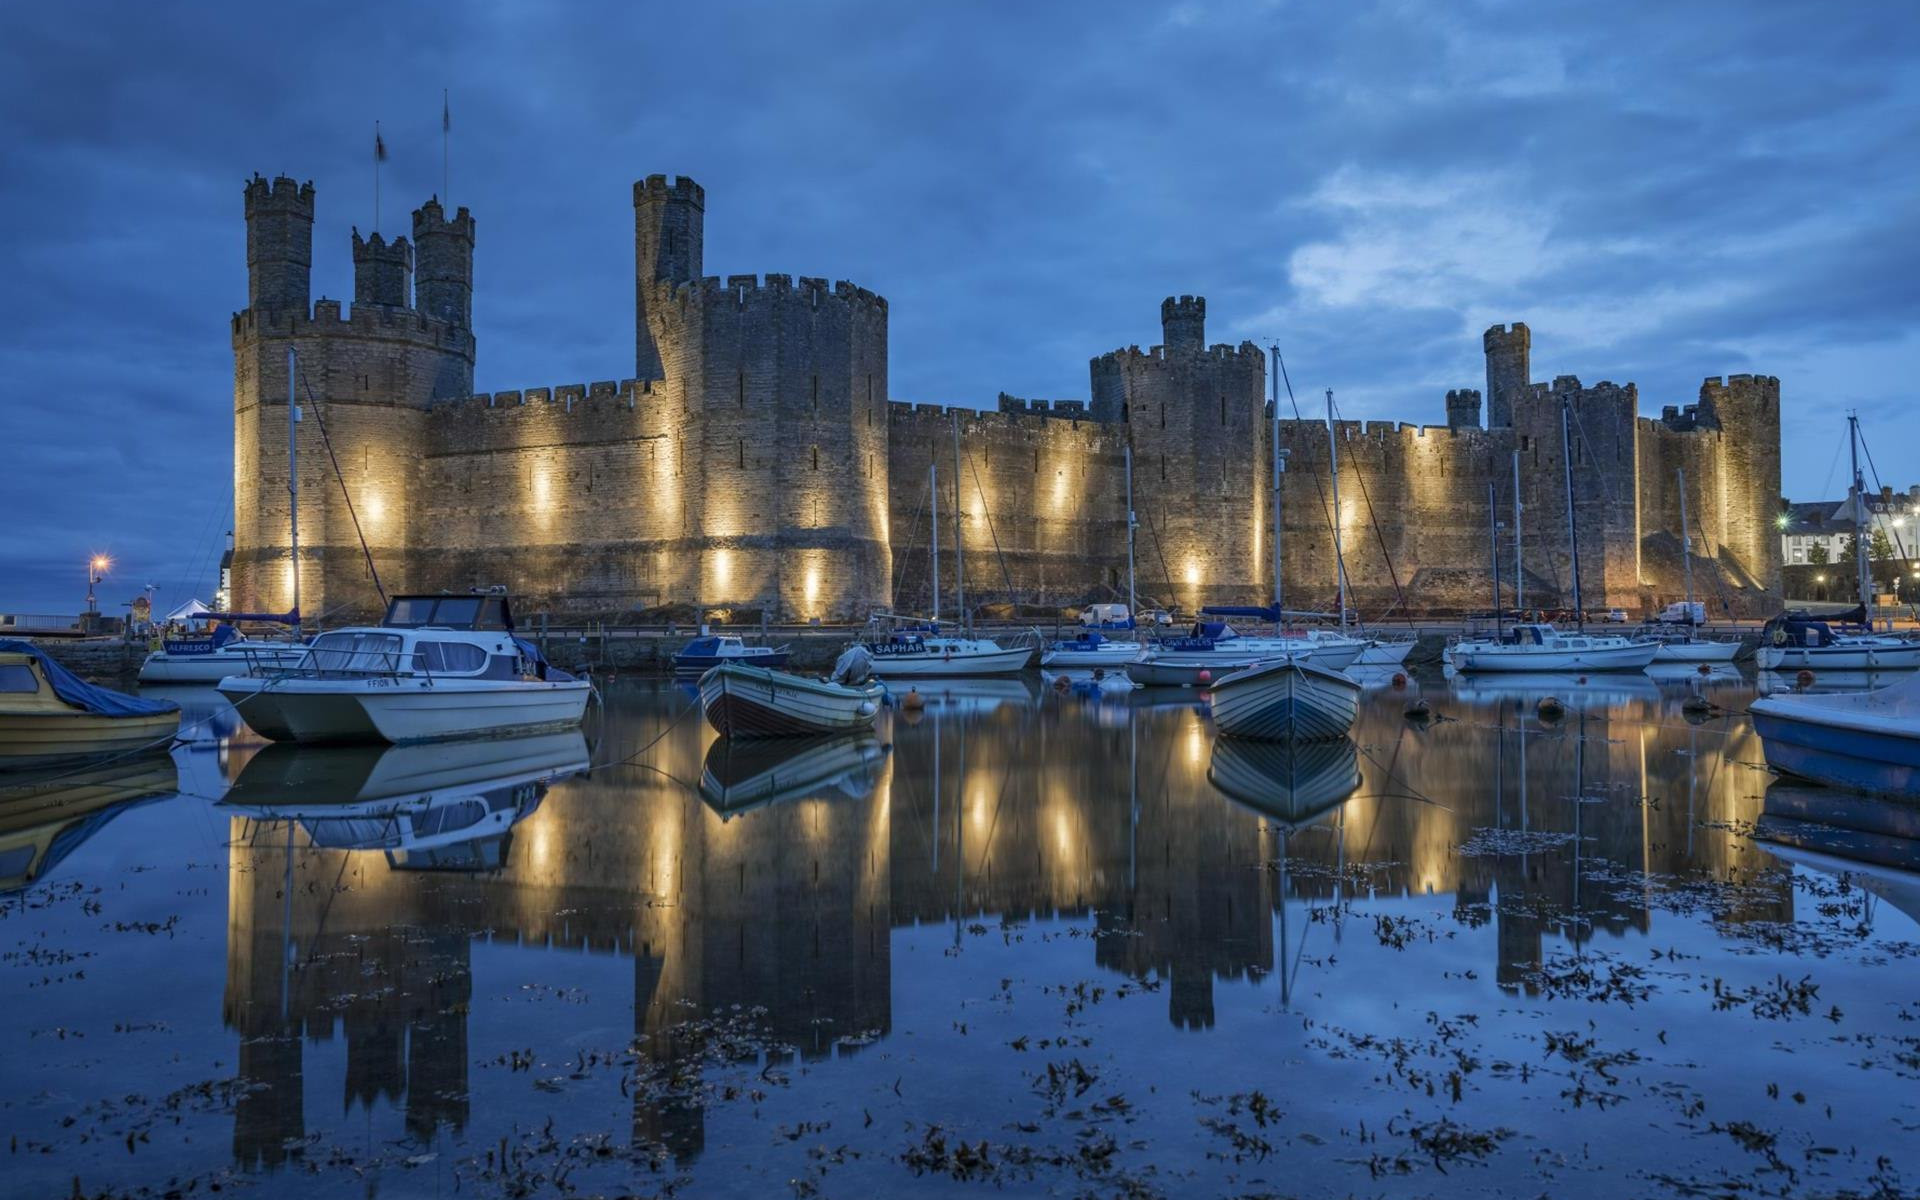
{"x": 755, "y": 463}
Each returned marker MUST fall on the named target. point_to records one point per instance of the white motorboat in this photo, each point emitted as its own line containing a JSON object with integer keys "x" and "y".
{"x": 928, "y": 654}
{"x": 209, "y": 659}
{"x": 1288, "y": 700}
{"x": 1537, "y": 648}
{"x": 1866, "y": 741}
{"x": 745, "y": 701}
{"x": 707, "y": 651}
{"x": 437, "y": 667}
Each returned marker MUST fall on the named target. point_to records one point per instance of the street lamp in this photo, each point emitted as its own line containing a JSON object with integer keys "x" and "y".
{"x": 97, "y": 568}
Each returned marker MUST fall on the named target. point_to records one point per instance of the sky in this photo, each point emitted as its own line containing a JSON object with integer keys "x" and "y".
{"x": 1662, "y": 191}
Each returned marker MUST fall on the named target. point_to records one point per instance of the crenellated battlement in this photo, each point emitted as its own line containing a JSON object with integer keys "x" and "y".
{"x": 604, "y": 395}
{"x": 431, "y": 217}
{"x": 657, "y": 188}
{"x": 282, "y": 195}
{"x": 330, "y": 318}
{"x": 747, "y": 291}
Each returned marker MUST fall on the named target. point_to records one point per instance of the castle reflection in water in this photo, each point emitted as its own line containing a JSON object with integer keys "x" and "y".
{"x": 990, "y": 807}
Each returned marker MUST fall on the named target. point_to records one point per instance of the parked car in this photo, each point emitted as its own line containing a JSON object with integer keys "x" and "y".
{"x": 1616, "y": 616}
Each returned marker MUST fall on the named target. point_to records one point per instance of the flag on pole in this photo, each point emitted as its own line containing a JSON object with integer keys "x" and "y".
{"x": 446, "y": 113}
{"x": 379, "y": 146}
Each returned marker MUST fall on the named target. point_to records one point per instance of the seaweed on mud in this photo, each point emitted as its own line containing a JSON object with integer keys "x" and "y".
{"x": 1593, "y": 976}
{"x": 1499, "y": 843}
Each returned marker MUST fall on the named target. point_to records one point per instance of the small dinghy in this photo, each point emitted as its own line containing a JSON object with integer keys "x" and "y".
{"x": 1285, "y": 701}
{"x": 1867, "y": 741}
{"x": 50, "y": 715}
{"x": 759, "y": 702}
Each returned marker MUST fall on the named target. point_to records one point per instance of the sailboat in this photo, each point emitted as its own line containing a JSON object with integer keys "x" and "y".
{"x": 1539, "y": 646}
{"x": 920, "y": 650}
{"x": 1092, "y": 647}
{"x": 1795, "y": 640}
{"x": 1688, "y": 646}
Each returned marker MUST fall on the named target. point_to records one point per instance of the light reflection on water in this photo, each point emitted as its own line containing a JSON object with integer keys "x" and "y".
{"x": 1561, "y": 937}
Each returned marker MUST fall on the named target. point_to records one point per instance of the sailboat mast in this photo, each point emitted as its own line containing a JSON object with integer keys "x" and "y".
{"x": 1333, "y": 467}
{"x": 293, "y": 479}
{"x": 933, "y": 550}
{"x": 1860, "y": 522}
{"x": 959, "y": 544}
{"x": 1279, "y": 469}
{"x": 1573, "y": 536}
{"x": 1519, "y": 579}
{"x": 1493, "y": 551}
{"x": 1132, "y": 604}
{"x": 1686, "y": 540}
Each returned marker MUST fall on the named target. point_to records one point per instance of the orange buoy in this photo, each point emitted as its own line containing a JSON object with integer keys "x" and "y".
{"x": 1206, "y": 676}
{"x": 1804, "y": 678}
{"x": 1705, "y": 668}
{"x": 1399, "y": 679}
{"x": 913, "y": 701}
{"x": 1550, "y": 708}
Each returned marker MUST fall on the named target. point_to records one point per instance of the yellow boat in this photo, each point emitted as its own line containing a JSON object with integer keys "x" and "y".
{"x": 46, "y": 815}
{"x": 49, "y": 715}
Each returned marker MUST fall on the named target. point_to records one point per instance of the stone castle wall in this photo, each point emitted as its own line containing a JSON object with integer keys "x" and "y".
{"x": 756, "y": 464}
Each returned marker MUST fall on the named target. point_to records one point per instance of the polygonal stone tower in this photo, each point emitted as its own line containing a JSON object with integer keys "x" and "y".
{"x": 279, "y": 243}
{"x": 1509, "y": 354}
{"x": 443, "y": 277}
{"x": 382, "y": 271}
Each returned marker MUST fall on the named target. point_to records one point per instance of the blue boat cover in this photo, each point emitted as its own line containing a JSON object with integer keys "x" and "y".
{"x": 546, "y": 670}
{"x": 81, "y": 694}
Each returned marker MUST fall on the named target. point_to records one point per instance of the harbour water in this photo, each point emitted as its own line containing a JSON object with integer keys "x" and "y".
{"x": 1034, "y": 941}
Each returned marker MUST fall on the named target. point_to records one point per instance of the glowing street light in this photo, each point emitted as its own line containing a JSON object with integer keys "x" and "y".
{"x": 97, "y": 568}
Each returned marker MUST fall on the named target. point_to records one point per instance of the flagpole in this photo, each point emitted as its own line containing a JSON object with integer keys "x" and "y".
{"x": 446, "y": 132}
{"x": 378, "y": 153}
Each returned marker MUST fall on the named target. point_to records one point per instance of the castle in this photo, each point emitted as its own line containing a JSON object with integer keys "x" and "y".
{"x": 755, "y": 463}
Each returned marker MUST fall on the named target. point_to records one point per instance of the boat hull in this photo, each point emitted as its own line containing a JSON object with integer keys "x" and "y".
{"x": 1187, "y": 669}
{"x": 1884, "y": 763}
{"x": 755, "y": 702}
{"x": 29, "y": 740}
{"x": 1286, "y": 701}
{"x": 1696, "y": 652}
{"x": 938, "y": 666}
{"x": 1842, "y": 657}
{"x": 700, "y": 664}
{"x": 1523, "y": 660}
{"x": 1385, "y": 654}
{"x": 209, "y": 669}
{"x": 1108, "y": 654}
{"x": 403, "y": 710}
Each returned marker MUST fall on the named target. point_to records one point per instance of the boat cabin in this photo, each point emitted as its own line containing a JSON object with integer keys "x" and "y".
{"x": 717, "y": 646}
{"x": 473, "y": 610}
{"x": 1548, "y": 637}
{"x": 1799, "y": 628}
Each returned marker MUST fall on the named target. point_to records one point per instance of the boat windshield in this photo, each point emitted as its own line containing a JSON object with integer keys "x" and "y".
{"x": 354, "y": 652}
{"x": 18, "y": 677}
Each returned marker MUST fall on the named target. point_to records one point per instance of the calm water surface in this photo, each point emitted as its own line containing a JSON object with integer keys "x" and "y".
{"x": 1026, "y": 941}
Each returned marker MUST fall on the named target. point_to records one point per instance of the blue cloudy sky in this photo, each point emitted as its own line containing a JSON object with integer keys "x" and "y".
{"x": 1661, "y": 190}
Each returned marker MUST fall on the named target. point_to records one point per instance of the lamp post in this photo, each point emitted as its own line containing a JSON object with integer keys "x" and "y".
{"x": 96, "y": 571}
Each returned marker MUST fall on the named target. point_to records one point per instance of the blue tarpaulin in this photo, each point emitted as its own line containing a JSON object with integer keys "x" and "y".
{"x": 81, "y": 694}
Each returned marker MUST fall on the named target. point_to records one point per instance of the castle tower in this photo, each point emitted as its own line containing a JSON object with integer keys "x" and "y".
{"x": 1509, "y": 353}
{"x": 1194, "y": 415}
{"x": 443, "y": 280}
{"x": 279, "y": 243}
{"x": 382, "y": 271}
{"x": 1463, "y": 409}
{"x": 1183, "y": 322}
{"x": 370, "y": 374}
{"x": 669, "y": 229}
{"x": 1746, "y": 409}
